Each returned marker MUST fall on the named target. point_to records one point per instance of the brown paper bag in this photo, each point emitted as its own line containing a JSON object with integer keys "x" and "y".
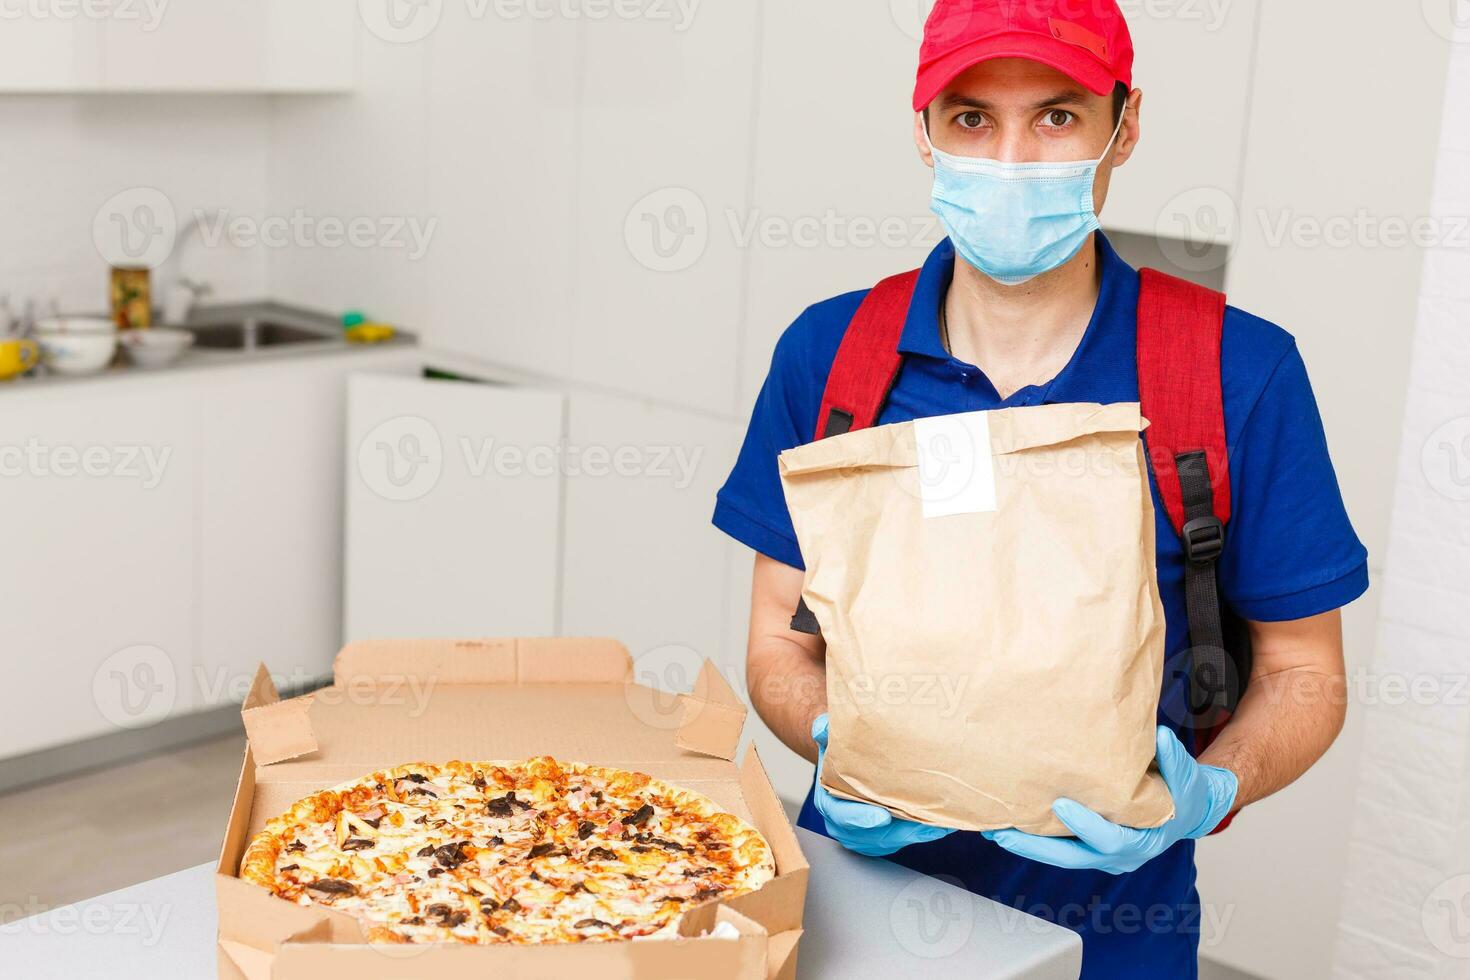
{"x": 986, "y": 587}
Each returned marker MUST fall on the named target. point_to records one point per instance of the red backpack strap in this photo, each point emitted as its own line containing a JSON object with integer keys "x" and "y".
{"x": 1179, "y": 330}
{"x": 862, "y": 377}
{"x": 1180, "y": 326}
{"x": 868, "y": 360}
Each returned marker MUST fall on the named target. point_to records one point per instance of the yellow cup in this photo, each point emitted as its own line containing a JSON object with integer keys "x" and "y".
{"x": 17, "y": 357}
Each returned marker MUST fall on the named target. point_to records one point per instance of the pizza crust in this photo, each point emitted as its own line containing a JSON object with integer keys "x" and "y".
{"x": 537, "y": 851}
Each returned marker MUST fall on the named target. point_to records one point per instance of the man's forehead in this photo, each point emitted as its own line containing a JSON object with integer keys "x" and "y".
{"x": 1015, "y": 83}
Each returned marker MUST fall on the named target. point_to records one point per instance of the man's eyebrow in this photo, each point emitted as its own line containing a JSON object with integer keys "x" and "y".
{"x": 957, "y": 101}
{"x": 1068, "y": 97}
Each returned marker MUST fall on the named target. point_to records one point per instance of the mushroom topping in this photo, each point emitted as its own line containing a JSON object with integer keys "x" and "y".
{"x": 639, "y": 815}
{"x": 332, "y": 886}
{"x": 591, "y": 924}
{"x": 357, "y": 844}
{"x": 451, "y": 856}
{"x": 505, "y": 806}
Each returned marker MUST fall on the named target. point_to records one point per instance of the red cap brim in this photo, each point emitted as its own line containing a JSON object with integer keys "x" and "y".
{"x": 1068, "y": 59}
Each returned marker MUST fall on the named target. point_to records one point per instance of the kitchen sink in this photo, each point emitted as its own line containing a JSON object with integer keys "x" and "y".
{"x": 251, "y": 333}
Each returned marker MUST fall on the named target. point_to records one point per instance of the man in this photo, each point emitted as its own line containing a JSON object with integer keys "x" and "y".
{"x": 1026, "y": 304}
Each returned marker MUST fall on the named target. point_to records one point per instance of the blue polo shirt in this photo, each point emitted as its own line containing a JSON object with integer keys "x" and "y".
{"x": 1290, "y": 553}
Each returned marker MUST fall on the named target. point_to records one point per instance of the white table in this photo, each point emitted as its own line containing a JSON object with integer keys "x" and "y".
{"x": 863, "y": 918}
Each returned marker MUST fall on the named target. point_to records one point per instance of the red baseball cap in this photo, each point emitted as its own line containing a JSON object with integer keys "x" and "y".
{"x": 1087, "y": 40}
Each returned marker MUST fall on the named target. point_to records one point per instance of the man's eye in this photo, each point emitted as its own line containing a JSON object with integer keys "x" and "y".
{"x": 972, "y": 120}
{"x": 1057, "y": 118}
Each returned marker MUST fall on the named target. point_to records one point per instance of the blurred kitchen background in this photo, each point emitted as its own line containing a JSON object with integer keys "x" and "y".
{"x": 589, "y": 222}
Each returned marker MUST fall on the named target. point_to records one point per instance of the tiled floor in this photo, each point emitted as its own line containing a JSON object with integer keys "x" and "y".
{"x": 80, "y": 837}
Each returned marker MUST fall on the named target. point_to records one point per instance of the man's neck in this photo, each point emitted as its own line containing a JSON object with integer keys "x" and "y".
{"x": 1022, "y": 335}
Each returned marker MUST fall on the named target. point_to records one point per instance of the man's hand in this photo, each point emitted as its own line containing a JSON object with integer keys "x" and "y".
{"x": 1203, "y": 796}
{"x": 862, "y": 827}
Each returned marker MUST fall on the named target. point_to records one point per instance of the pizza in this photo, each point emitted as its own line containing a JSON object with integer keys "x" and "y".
{"x": 508, "y": 852}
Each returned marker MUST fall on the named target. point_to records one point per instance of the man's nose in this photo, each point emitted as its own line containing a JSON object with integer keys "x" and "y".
{"x": 1015, "y": 146}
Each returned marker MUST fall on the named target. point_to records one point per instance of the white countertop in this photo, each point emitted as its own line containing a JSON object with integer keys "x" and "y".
{"x": 864, "y": 918}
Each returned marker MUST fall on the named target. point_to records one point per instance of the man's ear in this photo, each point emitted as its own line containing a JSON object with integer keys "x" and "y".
{"x": 1132, "y": 131}
{"x": 922, "y": 142}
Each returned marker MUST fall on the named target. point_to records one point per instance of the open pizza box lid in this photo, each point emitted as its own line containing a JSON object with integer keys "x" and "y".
{"x": 400, "y": 701}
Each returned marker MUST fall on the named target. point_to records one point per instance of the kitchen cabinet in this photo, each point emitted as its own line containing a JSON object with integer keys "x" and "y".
{"x": 165, "y": 533}
{"x": 270, "y": 535}
{"x": 98, "y": 488}
{"x": 257, "y": 46}
{"x": 453, "y": 493}
{"x": 643, "y": 563}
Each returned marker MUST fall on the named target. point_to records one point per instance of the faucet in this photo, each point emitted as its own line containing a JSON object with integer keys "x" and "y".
{"x": 183, "y": 292}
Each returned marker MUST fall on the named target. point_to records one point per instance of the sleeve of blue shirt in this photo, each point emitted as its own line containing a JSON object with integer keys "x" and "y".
{"x": 751, "y": 506}
{"x": 1291, "y": 551}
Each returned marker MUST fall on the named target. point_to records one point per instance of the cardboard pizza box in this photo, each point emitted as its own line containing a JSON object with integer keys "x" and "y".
{"x": 398, "y": 701}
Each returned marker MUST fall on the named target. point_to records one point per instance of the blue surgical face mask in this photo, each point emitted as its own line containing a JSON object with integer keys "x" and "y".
{"x": 1016, "y": 221}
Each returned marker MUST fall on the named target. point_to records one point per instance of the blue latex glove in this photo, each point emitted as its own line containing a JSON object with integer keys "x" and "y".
{"x": 1203, "y": 796}
{"x": 862, "y": 827}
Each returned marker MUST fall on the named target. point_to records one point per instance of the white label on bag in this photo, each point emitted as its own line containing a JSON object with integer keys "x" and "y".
{"x": 956, "y": 471}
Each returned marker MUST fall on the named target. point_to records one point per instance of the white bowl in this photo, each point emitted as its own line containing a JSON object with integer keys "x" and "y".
{"x": 76, "y": 344}
{"x": 156, "y": 347}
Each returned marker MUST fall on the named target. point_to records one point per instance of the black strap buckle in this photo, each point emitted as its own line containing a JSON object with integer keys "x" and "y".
{"x": 1204, "y": 540}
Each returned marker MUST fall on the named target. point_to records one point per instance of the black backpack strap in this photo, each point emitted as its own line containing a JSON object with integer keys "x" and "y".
{"x": 1214, "y": 684}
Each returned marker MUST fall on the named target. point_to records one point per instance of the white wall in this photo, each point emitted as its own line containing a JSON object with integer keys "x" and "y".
{"x": 1406, "y": 913}
{"x": 1310, "y": 160}
{"x": 66, "y": 156}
